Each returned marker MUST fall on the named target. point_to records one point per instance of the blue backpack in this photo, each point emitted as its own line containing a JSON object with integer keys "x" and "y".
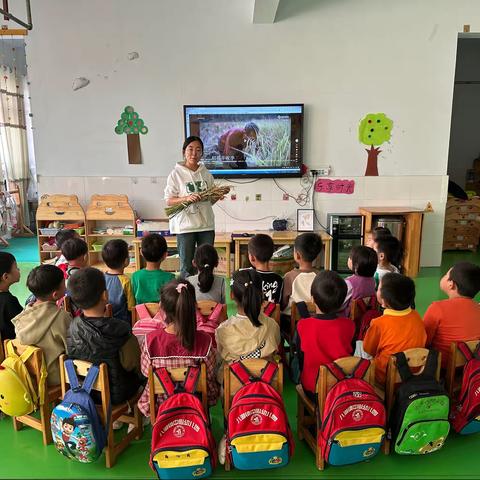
{"x": 77, "y": 430}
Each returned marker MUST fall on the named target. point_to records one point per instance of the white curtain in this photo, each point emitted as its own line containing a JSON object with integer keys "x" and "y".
{"x": 13, "y": 138}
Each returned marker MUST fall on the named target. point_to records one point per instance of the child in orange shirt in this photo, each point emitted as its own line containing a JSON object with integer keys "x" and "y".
{"x": 399, "y": 328}
{"x": 457, "y": 318}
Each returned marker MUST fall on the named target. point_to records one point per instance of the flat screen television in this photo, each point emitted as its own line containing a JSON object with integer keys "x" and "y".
{"x": 249, "y": 140}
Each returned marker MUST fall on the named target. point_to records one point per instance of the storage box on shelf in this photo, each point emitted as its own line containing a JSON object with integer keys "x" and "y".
{"x": 56, "y": 212}
{"x": 108, "y": 217}
{"x": 462, "y": 224}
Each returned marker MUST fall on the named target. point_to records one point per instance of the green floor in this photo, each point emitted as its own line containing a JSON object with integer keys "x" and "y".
{"x": 24, "y": 456}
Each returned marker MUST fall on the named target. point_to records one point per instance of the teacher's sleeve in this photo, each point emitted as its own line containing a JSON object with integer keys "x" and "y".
{"x": 209, "y": 179}
{"x": 172, "y": 190}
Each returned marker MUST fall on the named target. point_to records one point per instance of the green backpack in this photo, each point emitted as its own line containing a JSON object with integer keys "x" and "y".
{"x": 419, "y": 419}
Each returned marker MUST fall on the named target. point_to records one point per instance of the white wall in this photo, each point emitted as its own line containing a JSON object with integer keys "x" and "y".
{"x": 341, "y": 58}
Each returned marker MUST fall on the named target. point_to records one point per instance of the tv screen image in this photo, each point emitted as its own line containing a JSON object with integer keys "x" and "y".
{"x": 248, "y": 140}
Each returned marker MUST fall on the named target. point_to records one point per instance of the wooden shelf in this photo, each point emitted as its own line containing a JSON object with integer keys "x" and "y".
{"x": 107, "y": 208}
{"x": 57, "y": 208}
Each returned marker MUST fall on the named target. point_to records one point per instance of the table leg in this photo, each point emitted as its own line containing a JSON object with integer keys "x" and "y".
{"x": 237, "y": 255}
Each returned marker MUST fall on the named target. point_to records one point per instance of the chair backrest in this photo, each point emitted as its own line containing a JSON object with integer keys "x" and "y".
{"x": 33, "y": 363}
{"x": 177, "y": 375}
{"x": 231, "y": 384}
{"x": 152, "y": 308}
{"x": 355, "y": 309}
{"x": 325, "y": 379}
{"x": 295, "y": 315}
{"x": 416, "y": 358}
{"x": 455, "y": 361}
{"x": 101, "y": 385}
{"x": 206, "y": 307}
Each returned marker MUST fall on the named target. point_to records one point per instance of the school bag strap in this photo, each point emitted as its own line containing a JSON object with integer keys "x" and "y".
{"x": 302, "y": 309}
{"x": 431, "y": 364}
{"x": 402, "y": 367}
{"x": 165, "y": 380}
{"x": 216, "y": 311}
{"x": 245, "y": 377}
{"x": 72, "y": 375}
{"x": 90, "y": 379}
{"x": 361, "y": 369}
{"x": 191, "y": 379}
{"x": 269, "y": 308}
{"x": 336, "y": 371}
{"x": 467, "y": 353}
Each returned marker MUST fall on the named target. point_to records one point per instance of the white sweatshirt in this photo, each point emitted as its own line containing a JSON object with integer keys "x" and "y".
{"x": 199, "y": 216}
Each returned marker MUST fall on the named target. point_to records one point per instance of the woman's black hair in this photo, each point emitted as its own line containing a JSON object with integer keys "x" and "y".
{"x": 206, "y": 259}
{"x": 179, "y": 304}
{"x": 190, "y": 140}
{"x": 247, "y": 290}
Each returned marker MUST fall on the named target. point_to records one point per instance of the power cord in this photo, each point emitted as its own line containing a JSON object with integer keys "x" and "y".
{"x": 313, "y": 203}
{"x": 243, "y": 219}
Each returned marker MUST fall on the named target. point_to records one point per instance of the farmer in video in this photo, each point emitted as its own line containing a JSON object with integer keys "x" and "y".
{"x": 234, "y": 142}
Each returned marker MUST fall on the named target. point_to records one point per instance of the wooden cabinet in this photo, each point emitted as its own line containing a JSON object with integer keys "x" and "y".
{"x": 412, "y": 236}
{"x": 54, "y": 213}
{"x": 108, "y": 217}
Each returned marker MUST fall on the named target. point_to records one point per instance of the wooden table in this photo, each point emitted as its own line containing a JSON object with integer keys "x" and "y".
{"x": 280, "y": 238}
{"x": 222, "y": 240}
{"x": 412, "y": 237}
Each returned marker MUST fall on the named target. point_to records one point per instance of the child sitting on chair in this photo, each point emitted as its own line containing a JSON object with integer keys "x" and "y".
{"x": 97, "y": 339}
{"x": 399, "y": 328}
{"x": 249, "y": 333}
{"x": 363, "y": 263}
{"x": 179, "y": 344}
{"x": 260, "y": 251}
{"x": 60, "y": 238}
{"x": 457, "y": 318}
{"x": 120, "y": 294}
{"x": 42, "y": 324}
{"x": 9, "y": 305}
{"x": 389, "y": 253}
{"x": 207, "y": 285}
{"x": 324, "y": 337}
{"x": 75, "y": 251}
{"x": 148, "y": 281}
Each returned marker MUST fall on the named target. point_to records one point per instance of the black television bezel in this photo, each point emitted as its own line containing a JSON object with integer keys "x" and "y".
{"x": 253, "y": 175}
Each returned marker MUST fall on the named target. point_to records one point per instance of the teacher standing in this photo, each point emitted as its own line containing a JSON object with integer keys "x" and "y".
{"x": 195, "y": 225}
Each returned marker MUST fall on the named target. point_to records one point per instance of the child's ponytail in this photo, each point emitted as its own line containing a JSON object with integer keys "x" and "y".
{"x": 178, "y": 302}
{"x": 247, "y": 290}
{"x": 206, "y": 260}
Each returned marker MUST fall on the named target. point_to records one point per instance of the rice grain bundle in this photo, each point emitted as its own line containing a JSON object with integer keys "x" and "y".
{"x": 212, "y": 194}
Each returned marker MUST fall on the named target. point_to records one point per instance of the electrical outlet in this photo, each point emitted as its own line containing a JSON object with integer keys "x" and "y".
{"x": 233, "y": 196}
{"x": 286, "y": 196}
{"x": 258, "y": 197}
{"x": 322, "y": 171}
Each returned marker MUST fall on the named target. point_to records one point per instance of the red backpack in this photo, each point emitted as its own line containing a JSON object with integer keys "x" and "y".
{"x": 182, "y": 442}
{"x": 353, "y": 418}
{"x": 465, "y": 415}
{"x": 367, "y": 311}
{"x": 258, "y": 433}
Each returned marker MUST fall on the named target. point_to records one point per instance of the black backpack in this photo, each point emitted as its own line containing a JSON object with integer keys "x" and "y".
{"x": 419, "y": 419}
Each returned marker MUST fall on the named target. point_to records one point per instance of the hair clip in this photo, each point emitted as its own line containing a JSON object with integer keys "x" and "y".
{"x": 248, "y": 283}
{"x": 206, "y": 265}
{"x": 232, "y": 281}
{"x": 180, "y": 287}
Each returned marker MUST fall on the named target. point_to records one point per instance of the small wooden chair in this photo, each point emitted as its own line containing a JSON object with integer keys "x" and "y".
{"x": 453, "y": 382}
{"x": 231, "y": 385}
{"x": 416, "y": 358}
{"x": 152, "y": 308}
{"x": 206, "y": 307}
{"x": 177, "y": 375}
{"x": 310, "y": 413}
{"x": 52, "y": 395}
{"x": 117, "y": 412}
{"x": 67, "y": 306}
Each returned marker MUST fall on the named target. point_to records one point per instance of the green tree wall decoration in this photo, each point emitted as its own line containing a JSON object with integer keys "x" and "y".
{"x": 374, "y": 130}
{"x": 132, "y": 125}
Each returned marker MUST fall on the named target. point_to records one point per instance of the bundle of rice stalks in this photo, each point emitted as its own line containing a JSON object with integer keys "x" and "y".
{"x": 212, "y": 194}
